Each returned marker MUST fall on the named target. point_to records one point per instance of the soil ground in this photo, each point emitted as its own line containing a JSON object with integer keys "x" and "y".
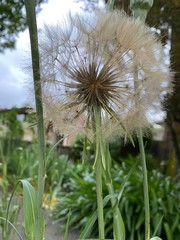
{"x": 52, "y": 231}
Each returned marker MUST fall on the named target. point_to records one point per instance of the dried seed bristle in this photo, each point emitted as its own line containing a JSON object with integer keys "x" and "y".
{"x": 107, "y": 60}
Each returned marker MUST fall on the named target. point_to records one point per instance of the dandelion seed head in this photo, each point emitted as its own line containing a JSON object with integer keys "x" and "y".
{"x": 104, "y": 59}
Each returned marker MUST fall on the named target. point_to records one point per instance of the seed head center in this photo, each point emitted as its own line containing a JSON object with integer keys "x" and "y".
{"x": 95, "y": 86}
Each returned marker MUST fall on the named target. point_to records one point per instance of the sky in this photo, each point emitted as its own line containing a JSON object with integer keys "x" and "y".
{"x": 13, "y": 81}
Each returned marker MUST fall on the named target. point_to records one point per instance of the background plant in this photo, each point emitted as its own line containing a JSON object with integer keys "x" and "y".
{"x": 20, "y": 161}
{"x": 4, "y": 189}
{"x": 78, "y": 194}
{"x": 10, "y": 141}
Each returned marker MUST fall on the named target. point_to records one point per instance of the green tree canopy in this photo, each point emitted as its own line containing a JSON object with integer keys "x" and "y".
{"x": 12, "y": 21}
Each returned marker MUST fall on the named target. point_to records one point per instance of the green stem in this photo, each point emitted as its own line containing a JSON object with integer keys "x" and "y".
{"x": 98, "y": 171}
{"x": 145, "y": 186}
{"x": 118, "y": 228}
{"x": 140, "y": 10}
{"x": 118, "y": 224}
{"x": 110, "y": 5}
{"x": 96, "y": 122}
{"x": 31, "y": 19}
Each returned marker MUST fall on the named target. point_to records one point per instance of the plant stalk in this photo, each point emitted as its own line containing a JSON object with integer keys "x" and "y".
{"x": 145, "y": 185}
{"x": 144, "y": 169}
{"x": 31, "y": 20}
{"x": 140, "y": 10}
{"x": 98, "y": 171}
{"x": 118, "y": 228}
{"x": 110, "y": 5}
{"x": 96, "y": 122}
{"x": 118, "y": 224}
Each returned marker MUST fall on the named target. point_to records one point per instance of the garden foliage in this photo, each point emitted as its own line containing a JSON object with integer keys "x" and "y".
{"x": 79, "y": 195}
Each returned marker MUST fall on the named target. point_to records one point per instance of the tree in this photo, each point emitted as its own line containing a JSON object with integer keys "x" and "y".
{"x": 165, "y": 15}
{"x": 12, "y": 21}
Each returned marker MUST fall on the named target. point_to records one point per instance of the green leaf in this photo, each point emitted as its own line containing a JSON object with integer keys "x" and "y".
{"x": 118, "y": 225}
{"x": 158, "y": 225}
{"x": 29, "y": 197}
{"x": 175, "y": 223}
{"x": 87, "y": 230}
{"x": 29, "y": 206}
{"x": 67, "y": 227}
{"x": 168, "y": 231}
{"x": 15, "y": 229}
{"x": 123, "y": 184}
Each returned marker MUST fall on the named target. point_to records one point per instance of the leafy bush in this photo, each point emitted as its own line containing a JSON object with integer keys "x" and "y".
{"x": 79, "y": 195}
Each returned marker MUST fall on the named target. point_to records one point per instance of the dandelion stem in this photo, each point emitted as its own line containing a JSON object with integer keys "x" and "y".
{"x": 138, "y": 11}
{"x": 98, "y": 170}
{"x": 145, "y": 185}
{"x": 31, "y": 19}
{"x": 110, "y": 5}
{"x": 144, "y": 168}
{"x": 118, "y": 224}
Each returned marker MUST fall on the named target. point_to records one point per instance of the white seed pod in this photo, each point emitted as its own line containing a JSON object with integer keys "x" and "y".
{"x": 104, "y": 59}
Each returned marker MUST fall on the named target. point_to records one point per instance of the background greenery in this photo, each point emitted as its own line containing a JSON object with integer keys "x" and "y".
{"x": 19, "y": 159}
{"x": 12, "y": 21}
{"x": 79, "y": 196}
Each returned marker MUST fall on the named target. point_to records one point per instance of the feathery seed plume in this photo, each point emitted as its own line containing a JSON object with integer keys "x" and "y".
{"x": 104, "y": 59}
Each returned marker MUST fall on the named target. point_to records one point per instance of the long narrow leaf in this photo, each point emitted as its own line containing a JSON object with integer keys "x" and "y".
{"x": 29, "y": 196}
{"x": 158, "y": 225}
{"x": 123, "y": 184}
{"x": 15, "y": 229}
{"x": 29, "y": 205}
{"x": 168, "y": 231}
{"x": 88, "y": 228}
{"x": 118, "y": 225}
{"x": 9, "y": 203}
{"x": 67, "y": 227}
